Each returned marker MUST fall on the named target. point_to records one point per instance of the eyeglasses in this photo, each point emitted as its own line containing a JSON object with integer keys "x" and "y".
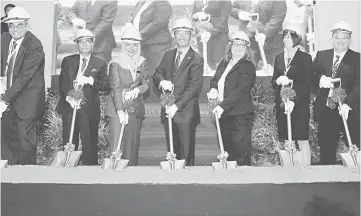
{"x": 13, "y": 26}
{"x": 239, "y": 45}
{"x": 84, "y": 41}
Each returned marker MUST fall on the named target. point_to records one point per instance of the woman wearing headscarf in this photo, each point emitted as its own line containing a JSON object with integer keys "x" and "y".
{"x": 293, "y": 64}
{"x": 217, "y": 29}
{"x": 231, "y": 86}
{"x": 129, "y": 81}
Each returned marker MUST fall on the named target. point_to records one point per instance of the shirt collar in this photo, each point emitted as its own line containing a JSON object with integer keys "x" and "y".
{"x": 87, "y": 58}
{"x": 18, "y": 42}
{"x": 184, "y": 50}
{"x": 341, "y": 54}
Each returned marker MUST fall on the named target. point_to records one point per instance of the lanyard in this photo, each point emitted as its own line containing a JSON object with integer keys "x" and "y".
{"x": 288, "y": 65}
{"x": 205, "y": 4}
{"x": 82, "y": 72}
{"x": 9, "y": 57}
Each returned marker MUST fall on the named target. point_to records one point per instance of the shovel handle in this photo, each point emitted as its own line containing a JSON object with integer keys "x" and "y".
{"x": 289, "y": 126}
{"x": 72, "y": 125}
{"x": 170, "y": 128}
{"x": 310, "y": 30}
{"x": 220, "y": 140}
{"x": 263, "y": 55}
{"x": 346, "y": 126}
{"x": 120, "y": 137}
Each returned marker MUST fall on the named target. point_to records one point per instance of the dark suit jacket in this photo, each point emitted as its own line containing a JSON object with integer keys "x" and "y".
{"x": 300, "y": 72}
{"x": 154, "y": 22}
{"x": 237, "y": 87}
{"x": 348, "y": 70}
{"x": 96, "y": 68}
{"x": 187, "y": 84}
{"x": 219, "y": 11}
{"x": 27, "y": 93}
{"x": 271, "y": 15}
{"x": 99, "y": 19}
{"x": 120, "y": 78}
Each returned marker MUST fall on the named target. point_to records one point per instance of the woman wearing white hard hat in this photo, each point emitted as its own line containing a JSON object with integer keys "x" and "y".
{"x": 127, "y": 72}
{"x": 231, "y": 86}
{"x": 296, "y": 65}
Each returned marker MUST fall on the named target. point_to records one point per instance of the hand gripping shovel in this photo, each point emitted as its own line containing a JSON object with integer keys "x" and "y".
{"x": 204, "y": 40}
{"x": 290, "y": 156}
{"x": 352, "y": 157}
{"x": 267, "y": 69}
{"x": 69, "y": 158}
{"x": 222, "y": 157}
{"x": 171, "y": 162}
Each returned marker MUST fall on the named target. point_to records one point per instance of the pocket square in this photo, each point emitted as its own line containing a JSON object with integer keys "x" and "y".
{"x": 93, "y": 70}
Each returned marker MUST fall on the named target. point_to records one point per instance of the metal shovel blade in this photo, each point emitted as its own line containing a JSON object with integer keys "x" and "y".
{"x": 286, "y": 159}
{"x": 112, "y": 164}
{"x": 167, "y": 165}
{"x": 4, "y": 163}
{"x": 73, "y": 159}
{"x": 224, "y": 165}
{"x": 349, "y": 161}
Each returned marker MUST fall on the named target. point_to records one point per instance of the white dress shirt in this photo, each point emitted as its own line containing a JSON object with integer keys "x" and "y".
{"x": 80, "y": 73}
{"x": 136, "y": 19}
{"x": 222, "y": 80}
{"x": 289, "y": 55}
{"x": 184, "y": 53}
{"x": 18, "y": 44}
{"x": 341, "y": 54}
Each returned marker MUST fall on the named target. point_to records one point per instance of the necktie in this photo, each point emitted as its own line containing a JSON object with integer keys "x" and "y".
{"x": 11, "y": 63}
{"x": 177, "y": 62}
{"x": 89, "y": 5}
{"x": 330, "y": 103}
{"x": 288, "y": 62}
{"x": 83, "y": 65}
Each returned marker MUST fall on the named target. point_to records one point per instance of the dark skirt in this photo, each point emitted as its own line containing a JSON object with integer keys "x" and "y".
{"x": 300, "y": 118}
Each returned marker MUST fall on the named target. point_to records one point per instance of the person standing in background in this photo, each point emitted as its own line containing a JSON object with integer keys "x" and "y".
{"x": 98, "y": 17}
{"x": 219, "y": 12}
{"x": 4, "y": 26}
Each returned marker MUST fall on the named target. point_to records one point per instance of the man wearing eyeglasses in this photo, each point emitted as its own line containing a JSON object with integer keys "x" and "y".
{"x": 91, "y": 73}
{"x": 23, "y": 89}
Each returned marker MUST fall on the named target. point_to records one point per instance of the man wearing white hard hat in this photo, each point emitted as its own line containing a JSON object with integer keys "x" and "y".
{"x": 91, "y": 73}
{"x": 180, "y": 71}
{"x": 231, "y": 86}
{"x": 22, "y": 69}
{"x": 293, "y": 65}
{"x": 344, "y": 63}
{"x": 128, "y": 73}
{"x": 97, "y": 16}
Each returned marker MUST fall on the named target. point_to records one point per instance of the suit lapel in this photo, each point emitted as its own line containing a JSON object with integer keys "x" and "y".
{"x": 234, "y": 66}
{"x": 20, "y": 54}
{"x": 187, "y": 58}
{"x": 342, "y": 64}
{"x": 6, "y": 49}
{"x": 329, "y": 62}
{"x": 89, "y": 66}
{"x": 76, "y": 62}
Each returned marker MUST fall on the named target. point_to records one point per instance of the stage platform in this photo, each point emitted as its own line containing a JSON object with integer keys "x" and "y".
{"x": 245, "y": 191}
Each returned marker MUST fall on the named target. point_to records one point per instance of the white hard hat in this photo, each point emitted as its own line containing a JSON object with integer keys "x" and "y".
{"x": 83, "y": 33}
{"x": 130, "y": 34}
{"x": 240, "y": 36}
{"x": 293, "y": 27}
{"x": 342, "y": 26}
{"x": 182, "y": 24}
{"x": 17, "y": 14}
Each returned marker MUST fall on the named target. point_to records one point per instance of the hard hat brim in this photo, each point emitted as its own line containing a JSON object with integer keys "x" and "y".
{"x": 83, "y": 37}
{"x": 185, "y": 28}
{"x": 342, "y": 30}
{"x": 15, "y": 20}
{"x": 130, "y": 40}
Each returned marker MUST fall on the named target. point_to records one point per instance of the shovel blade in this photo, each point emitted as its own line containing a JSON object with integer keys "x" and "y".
{"x": 108, "y": 164}
{"x": 166, "y": 165}
{"x": 4, "y": 163}
{"x": 348, "y": 161}
{"x": 73, "y": 159}
{"x": 286, "y": 160}
{"x": 229, "y": 165}
{"x": 59, "y": 160}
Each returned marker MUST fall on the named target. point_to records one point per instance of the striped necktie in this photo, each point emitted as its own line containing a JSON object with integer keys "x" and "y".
{"x": 329, "y": 102}
{"x": 11, "y": 64}
{"x": 177, "y": 62}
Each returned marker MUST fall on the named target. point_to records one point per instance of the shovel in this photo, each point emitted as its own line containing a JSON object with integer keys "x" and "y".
{"x": 352, "y": 157}
{"x": 206, "y": 68}
{"x": 171, "y": 162}
{"x": 290, "y": 156}
{"x": 267, "y": 69}
{"x": 222, "y": 157}
{"x": 115, "y": 162}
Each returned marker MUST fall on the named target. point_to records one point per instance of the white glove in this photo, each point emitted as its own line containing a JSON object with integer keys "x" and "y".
{"x": 78, "y": 23}
{"x": 289, "y": 107}
{"x": 283, "y": 80}
{"x": 325, "y": 82}
{"x": 2, "y": 85}
{"x": 3, "y": 107}
{"x": 82, "y": 80}
{"x": 123, "y": 117}
{"x": 218, "y": 111}
{"x": 260, "y": 38}
{"x": 200, "y": 16}
{"x": 310, "y": 37}
{"x": 244, "y": 16}
{"x": 212, "y": 94}
{"x": 60, "y": 23}
{"x": 344, "y": 110}
{"x": 131, "y": 95}
{"x": 205, "y": 36}
{"x": 73, "y": 103}
{"x": 171, "y": 110}
{"x": 166, "y": 85}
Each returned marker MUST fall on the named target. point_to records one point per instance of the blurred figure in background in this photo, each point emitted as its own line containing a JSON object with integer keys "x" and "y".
{"x": 4, "y": 26}
{"x": 271, "y": 16}
{"x": 219, "y": 14}
{"x": 98, "y": 17}
{"x": 59, "y": 19}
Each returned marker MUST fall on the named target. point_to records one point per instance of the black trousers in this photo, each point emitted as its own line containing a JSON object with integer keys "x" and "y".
{"x": 236, "y": 133}
{"x": 88, "y": 130}
{"x": 184, "y": 139}
{"x": 330, "y": 126}
{"x": 18, "y": 139}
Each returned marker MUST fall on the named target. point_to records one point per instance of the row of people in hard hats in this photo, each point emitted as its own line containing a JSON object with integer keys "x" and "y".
{"x": 180, "y": 71}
